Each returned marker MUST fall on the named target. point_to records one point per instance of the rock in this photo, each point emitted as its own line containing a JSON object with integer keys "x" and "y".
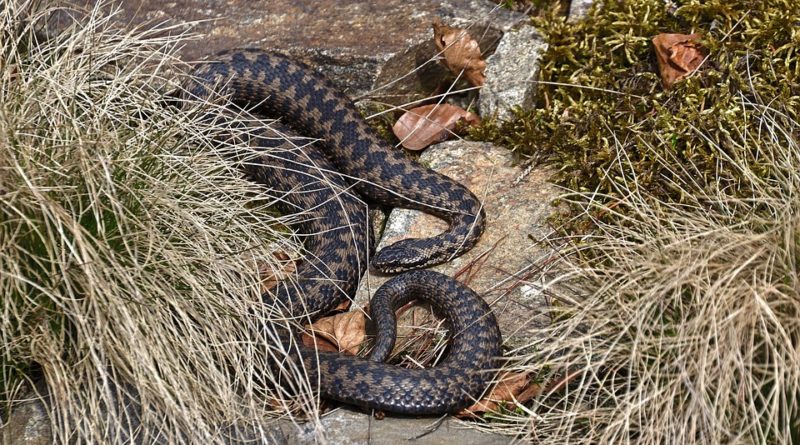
{"x": 345, "y": 426}
{"x": 362, "y": 45}
{"x": 341, "y": 426}
{"x": 512, "y": 72}
{"x": 503, "y": 267}
{"x": 578, "y": 9}
{"x": 28, "y": 423}
{"x": 429, "y": 432}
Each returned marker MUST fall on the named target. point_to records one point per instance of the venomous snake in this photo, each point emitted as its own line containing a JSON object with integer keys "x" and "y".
{"x": 319, "y": 179}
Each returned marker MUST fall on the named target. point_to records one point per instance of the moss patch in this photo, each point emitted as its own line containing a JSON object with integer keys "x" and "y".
{"x": 599, "y": 78}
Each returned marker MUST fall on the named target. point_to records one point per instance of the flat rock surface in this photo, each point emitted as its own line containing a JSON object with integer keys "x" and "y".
{"x": 349, "y": 427}
{"x": 29, "y": 425}
{"x": 360, "y": 44}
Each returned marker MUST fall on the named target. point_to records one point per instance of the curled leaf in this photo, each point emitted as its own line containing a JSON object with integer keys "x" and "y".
{"x": 678, "y": 56}
{"x": 338, "y": 333}
{"x": 422, "y": 126}
{"x": 460, "y": 52}
{"x": 512, "y": 387}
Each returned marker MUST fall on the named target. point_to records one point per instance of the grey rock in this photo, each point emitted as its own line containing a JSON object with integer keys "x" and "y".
{"x": 28, "y": 424}
{"x": 429, "y": 432}
{"x": 382, "y": 48}
{"x": 578, "y": 9}
{"x": 477, "y": 14}
{"x": 512, "y": 72}
{"x": 347, "y": 427}
{"x": 342, "y": 426}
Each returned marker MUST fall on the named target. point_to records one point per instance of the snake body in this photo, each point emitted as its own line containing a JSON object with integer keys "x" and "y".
{"x": 318, "y": 180}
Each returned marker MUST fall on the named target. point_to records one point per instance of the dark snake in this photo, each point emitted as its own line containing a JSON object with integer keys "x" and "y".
{"x": 319, "y": 179}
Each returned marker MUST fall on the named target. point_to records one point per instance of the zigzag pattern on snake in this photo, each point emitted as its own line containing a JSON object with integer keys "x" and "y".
{"x": 319, "y": 179}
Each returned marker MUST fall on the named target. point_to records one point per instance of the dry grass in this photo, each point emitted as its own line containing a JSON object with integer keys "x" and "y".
{"x": 129, "y": 244}
{"x": 679, "y": 322}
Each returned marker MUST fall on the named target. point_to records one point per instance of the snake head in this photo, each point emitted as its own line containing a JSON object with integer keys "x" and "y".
{"x": 407, "y": 254}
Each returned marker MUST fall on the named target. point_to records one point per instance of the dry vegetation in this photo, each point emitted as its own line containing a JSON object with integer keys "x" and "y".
{"x": 128, "y": 243}
{"x": 679, "y": 322}
{"x": 677, "y": 310}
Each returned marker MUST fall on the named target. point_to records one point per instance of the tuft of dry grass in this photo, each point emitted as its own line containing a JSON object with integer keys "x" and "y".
{"x": 130, "y": 243}
{"x": 679, "y": 322}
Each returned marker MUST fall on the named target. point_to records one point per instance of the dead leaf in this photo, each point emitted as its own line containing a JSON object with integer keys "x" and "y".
{"x": 678, "y": 56}
{"x": 513, "y": 387}
{"x": 338, "y": 333}
{"x": 343, "y": 306}
{"x": 422, "y": 126}
{"x": 460, "y": 51}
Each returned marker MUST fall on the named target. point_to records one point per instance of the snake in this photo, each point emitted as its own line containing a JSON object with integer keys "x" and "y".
{"x": 329, "y": 184}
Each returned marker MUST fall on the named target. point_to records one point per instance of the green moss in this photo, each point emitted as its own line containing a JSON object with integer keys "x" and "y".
{"x": 600, "y": 83}
{"x": 383, "y": 121}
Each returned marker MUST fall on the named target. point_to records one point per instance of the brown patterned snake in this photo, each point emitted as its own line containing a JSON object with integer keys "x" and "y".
{"x": 318, "y": 179}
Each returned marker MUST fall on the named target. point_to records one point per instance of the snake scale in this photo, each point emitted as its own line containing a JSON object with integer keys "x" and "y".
{"x": 319, "y": 179}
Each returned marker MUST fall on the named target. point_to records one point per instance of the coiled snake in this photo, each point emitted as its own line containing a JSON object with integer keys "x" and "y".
{"x": 318, "y": 180}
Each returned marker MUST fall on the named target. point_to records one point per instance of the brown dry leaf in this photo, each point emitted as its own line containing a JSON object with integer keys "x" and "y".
{"x": 338, "y": 333}
{"x": 512, "y": 387}
{"x": 678, "y": 56}
{"x": 343, "y": 306}
{"x": 460, "y": 51}
{"x": 422, "y": 126}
